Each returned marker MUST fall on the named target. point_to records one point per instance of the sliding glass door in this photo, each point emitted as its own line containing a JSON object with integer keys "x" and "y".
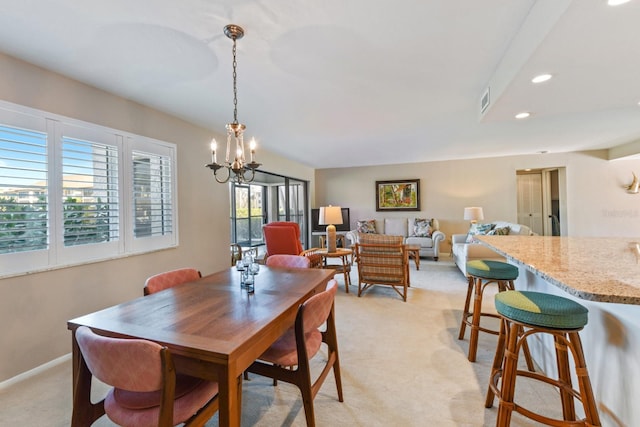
{"x": 270, "y": 197}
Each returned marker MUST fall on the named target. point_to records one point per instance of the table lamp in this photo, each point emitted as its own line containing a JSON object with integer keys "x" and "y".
{"x": 329, "y": 216}
{"x": 473, "y": 214}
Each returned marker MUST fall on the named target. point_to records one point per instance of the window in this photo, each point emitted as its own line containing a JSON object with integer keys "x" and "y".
{"x": 23, "y": 190}
{"x": 63, "y": 193}
{"x": 152, "y": 204}
{"x": 90, "y": 192}
{"x": 247, "y": 214}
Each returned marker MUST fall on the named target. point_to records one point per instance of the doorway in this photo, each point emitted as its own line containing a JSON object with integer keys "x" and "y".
{"x": 269, "y": 197}
{"x": 541, "y": 200}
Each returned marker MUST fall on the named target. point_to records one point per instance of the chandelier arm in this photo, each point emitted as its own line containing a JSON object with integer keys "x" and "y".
{"x": 224, "y": 181}
{"x": 253, "y": 174}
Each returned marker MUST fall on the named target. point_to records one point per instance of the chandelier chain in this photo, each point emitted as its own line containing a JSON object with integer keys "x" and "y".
{"x": 235, "y": 90}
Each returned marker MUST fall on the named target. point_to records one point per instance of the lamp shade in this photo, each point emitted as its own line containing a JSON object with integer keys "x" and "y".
{"x": 473, "y": 214}
{"x": 330, "y": 215}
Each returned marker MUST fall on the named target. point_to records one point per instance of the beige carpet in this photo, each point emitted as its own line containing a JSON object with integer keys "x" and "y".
{"x": 402, "y": 365}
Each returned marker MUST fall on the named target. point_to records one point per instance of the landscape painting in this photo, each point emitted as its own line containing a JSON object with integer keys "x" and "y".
{"x": 398, "y": 195}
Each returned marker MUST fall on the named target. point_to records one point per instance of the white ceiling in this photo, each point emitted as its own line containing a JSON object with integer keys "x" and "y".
{"x": 336, "y": 83}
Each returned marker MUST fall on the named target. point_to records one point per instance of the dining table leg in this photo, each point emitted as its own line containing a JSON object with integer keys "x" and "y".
{"x": 230, "y": 398}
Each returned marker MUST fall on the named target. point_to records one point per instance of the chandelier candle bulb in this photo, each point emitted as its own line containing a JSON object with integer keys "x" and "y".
{"x": 214, "y": 146}
{"x": 252, "y": 147}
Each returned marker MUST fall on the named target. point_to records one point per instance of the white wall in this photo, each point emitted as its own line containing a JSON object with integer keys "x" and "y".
{"x": 597, "y": 203}
{"x": 34, "y": 308}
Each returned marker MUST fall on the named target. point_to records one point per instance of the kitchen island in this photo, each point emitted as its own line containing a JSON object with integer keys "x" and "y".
{"x": 603, "y": 274}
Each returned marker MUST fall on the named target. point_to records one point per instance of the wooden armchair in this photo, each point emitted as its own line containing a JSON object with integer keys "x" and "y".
{"x": 383, "y": 263}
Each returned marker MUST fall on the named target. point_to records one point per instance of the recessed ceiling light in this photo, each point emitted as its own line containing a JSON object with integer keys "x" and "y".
{"x": 541, "y": 78}
{"x": 523, "y": 115}
{"x": 617, "y": 2}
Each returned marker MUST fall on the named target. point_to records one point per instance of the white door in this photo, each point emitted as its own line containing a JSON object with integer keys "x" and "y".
{"x": 530, "y": 208}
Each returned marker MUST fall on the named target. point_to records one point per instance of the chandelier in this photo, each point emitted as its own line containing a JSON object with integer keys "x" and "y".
{"x": 238, "y": 169}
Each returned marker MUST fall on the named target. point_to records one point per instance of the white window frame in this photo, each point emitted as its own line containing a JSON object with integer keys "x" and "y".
{"x": 149, "y": 145}
{"x": 57, "y": 255}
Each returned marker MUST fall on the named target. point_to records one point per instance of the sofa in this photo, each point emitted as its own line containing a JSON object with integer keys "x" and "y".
{"x": 423, "y": 232}
{"x": 464, "y": 248}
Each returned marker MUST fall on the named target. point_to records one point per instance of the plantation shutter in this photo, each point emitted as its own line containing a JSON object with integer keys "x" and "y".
{"x": 90, "y": 192}
{"x": 23, "y": 190}
{"x": 152, "y": 195}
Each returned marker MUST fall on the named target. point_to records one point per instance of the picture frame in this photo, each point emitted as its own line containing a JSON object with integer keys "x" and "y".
{"x": 398, "y": 195}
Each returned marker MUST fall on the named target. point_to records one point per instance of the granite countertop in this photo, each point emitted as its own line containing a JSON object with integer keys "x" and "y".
{"x": 604, "y": 269}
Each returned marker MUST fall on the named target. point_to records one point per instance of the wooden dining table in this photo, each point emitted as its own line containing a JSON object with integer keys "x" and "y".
{"x": 213, "y": 328}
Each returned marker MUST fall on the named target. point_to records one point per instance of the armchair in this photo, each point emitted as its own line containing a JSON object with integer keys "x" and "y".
{"x": 385, "y": 262}
{"x": 282, "y": 237}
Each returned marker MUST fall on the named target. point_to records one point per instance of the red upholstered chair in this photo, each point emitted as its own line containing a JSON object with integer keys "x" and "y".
{"x": 292, "y": 261}
{"x": 161, "y": 281}
{"x": 282, "y": 237}
{"x": 288, "y": 358}
{"x": 146, "y": 389}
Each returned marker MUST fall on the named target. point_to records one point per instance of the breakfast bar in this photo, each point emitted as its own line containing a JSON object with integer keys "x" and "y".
{"x": 603, "y": 275}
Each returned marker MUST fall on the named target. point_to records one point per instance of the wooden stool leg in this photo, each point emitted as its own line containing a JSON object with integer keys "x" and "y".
{"x": 509, "y": 374}
{"x": 475, "y": 322}
{"x": 497, "y": 366}
{"x": 564, "y": 376}
{"x": 584, "y": 383}
{"x": 465, "y": 312}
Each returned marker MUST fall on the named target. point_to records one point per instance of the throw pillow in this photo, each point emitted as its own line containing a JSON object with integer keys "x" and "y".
{"x": 422, "y": 227}
{"x": 499, "y": 231}
{"x": 478, "y": 229}
{"x": 366, "y": 226}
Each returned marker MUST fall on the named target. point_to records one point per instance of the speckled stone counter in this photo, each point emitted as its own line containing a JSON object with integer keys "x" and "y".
{"x": 592, "y": 268}
{"x": 603, "y": 275}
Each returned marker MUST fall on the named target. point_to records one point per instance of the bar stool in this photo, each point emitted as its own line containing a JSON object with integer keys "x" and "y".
{"x": 482, "y": 273}
{"x": 525, "y": 313}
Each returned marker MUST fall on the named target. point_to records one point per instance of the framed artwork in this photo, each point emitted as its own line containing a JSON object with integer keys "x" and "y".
{"x": 398, "y": 195}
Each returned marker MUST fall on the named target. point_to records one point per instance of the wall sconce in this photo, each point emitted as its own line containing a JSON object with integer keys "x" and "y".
{"x": 634, "y": 187}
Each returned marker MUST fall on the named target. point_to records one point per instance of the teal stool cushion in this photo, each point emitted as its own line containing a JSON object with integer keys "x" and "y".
{"x": 540, "y": 309}
{"x": 496, "y": 270}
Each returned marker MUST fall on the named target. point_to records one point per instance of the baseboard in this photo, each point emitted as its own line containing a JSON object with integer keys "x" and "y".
{"x": 35, "y": 371}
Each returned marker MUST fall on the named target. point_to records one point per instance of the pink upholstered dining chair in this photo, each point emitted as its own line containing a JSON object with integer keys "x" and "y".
{"x": 146, "y": 391}
{"x": 167, "y": 279}
{"x": 288, "y": 358}
{"x": 293, "y": 261}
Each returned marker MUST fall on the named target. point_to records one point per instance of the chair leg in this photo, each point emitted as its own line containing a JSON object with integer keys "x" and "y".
{"x": 475, "y": 323}
{"x": 330, "y": 337}
{"x": 465, "y": 312}
{"x": 303, "y": 381}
